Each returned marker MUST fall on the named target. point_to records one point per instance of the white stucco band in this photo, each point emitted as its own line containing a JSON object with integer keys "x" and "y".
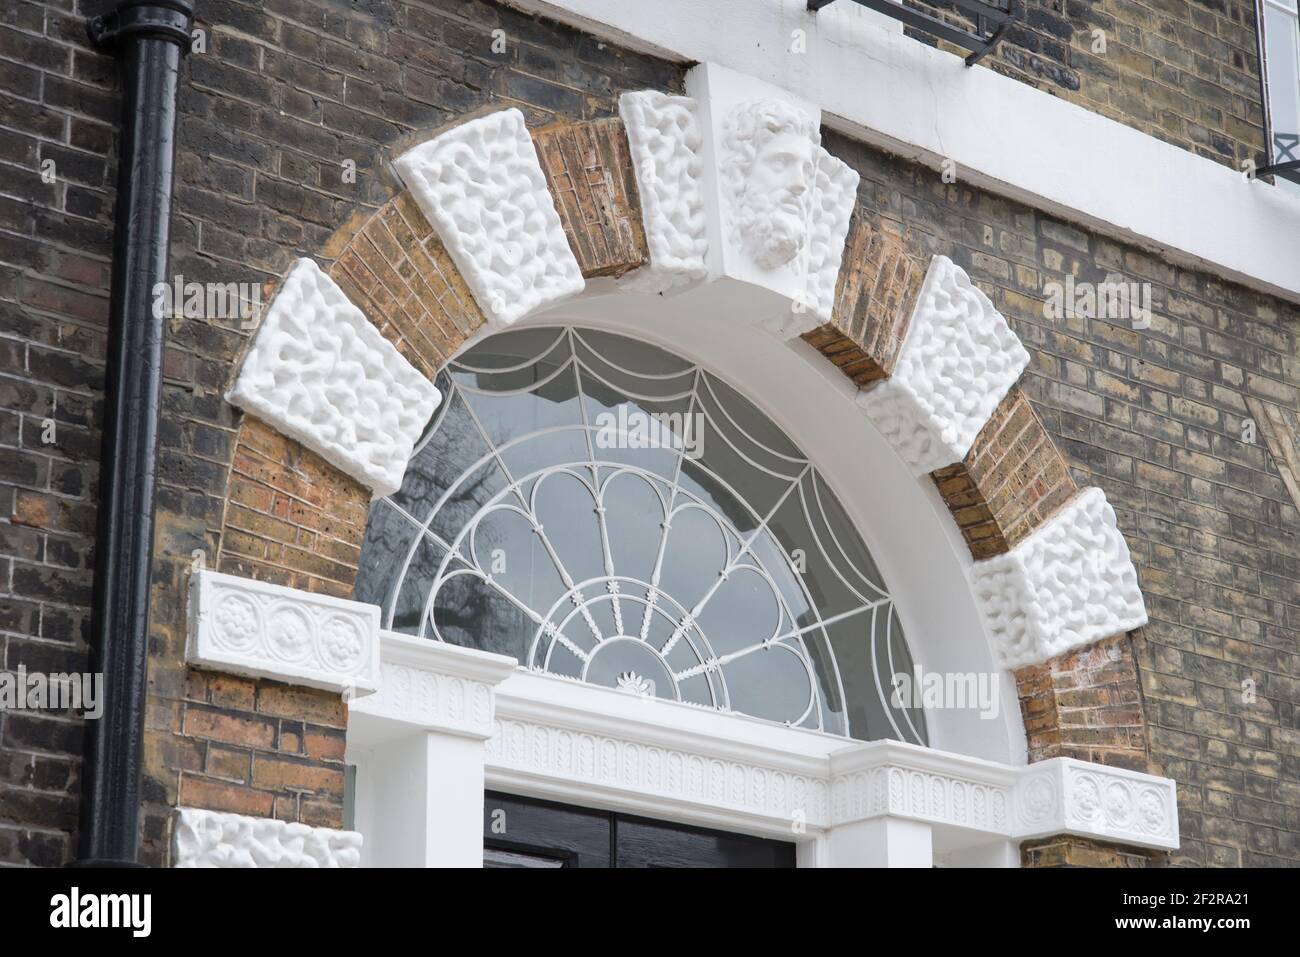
{"x": 204, "y": 838}
{"x": 482, "y": 188}
{"x": 578, "y": 743}
{"x": 262, "y": 630}
{"x": 321, "y": 373}
{"x": 957, "y": 362}
{"x": 876, "y": 84}
{"x": 1069, "y": 584}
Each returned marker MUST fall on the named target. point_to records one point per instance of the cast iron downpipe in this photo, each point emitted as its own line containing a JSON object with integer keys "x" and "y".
{"x": 150, "y": 37}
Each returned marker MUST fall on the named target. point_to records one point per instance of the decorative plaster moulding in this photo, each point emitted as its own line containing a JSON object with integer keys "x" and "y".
{"x": 321, "y": 373}
{"x": 218, "y": 839}
{"x": 481, "y": 186}
{"x": 575, "y": 742}
{"x": 261, "y": 630}
{"x": 1110, "y": 804}
{"x": 663, "y": 133}
{"x": 1069, "y": 584}
{"x": 775, "y": 204}
{"x": 430, "y": 685}
{"x": 958, "y": 360}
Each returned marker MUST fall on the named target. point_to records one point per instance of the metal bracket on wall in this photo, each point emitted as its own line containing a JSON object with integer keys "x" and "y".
{"x": 991, "y": 22}
{"x": 1288, "y": 170}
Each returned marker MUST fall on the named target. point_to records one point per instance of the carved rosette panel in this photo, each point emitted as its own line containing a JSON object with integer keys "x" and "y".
{"x": 1070, "y": 583}
{"x": 269, "y": 631}
{"x": 217, "y": 839}
{"x": 319, "y": 372}
{"x": 481, "y": 186}
{"x": 957, "y": 362}
{"x": 1065, "y": 796}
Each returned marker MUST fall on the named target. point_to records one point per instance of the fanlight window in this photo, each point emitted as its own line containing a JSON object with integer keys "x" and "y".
{"x": 606, "y": 511}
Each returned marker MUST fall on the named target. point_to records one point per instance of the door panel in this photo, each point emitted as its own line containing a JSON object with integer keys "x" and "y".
{"x": 524, "y": 832}
{"x": 645, "y": 843}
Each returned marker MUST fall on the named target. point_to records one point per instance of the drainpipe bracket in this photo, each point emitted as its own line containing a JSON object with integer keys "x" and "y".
{"x": 169, "y": 20}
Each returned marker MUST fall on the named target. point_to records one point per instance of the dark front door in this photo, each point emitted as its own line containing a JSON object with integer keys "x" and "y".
{"x": 522, "y": 832}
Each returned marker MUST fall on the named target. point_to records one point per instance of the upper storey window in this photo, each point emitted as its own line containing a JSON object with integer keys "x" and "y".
{"x": 1282, "y": 66}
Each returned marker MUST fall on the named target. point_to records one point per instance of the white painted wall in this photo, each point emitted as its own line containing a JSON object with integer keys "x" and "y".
{"x": 877, "y": 85}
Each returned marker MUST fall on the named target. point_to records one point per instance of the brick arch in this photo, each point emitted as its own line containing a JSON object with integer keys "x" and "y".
{"x": 609, "y": 194}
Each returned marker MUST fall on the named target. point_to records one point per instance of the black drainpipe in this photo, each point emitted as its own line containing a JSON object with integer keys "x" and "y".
{"x": 150, "y": 37}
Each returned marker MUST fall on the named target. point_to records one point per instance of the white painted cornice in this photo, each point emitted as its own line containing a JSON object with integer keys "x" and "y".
{"x": 875, "y": 84}
{"x": 575, "y": 742}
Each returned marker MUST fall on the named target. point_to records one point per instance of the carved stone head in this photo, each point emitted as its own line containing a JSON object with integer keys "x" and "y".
{"x": 768, "y": 169}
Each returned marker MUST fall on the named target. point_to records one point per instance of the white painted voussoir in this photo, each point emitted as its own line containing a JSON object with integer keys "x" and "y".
{"x": 958, "y": 361}
{"x": 203, "y": 838}
{"x": 481, "y": 186}
{"x": 318, "y": 371}
{"x": 261, "y": 630}
{"x": 663, "y": 133}
{"x": 1069, "y": 584}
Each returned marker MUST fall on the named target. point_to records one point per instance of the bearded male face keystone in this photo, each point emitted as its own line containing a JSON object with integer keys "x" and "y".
{"x": 770, "y": 168}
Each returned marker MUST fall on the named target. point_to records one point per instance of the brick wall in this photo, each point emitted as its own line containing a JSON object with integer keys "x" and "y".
{"x": 1185, "y": 71}
{"x": 56, "y": 103}
{"x": 1156, "y": 417}
{"x": 291, "y": 89}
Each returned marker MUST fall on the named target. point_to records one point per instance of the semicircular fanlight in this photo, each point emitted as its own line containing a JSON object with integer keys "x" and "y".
{"x": 606, "y": 511}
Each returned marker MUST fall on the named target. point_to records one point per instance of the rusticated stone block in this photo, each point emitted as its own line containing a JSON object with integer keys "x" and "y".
{"x": 588, "y": 168}
{"x": 875, "y": 296}
{"x": 1012, "y": 480}
{"x": 397, "y": 271}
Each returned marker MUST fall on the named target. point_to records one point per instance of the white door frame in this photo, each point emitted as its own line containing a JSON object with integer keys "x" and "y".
{"x": 449, "y": 723}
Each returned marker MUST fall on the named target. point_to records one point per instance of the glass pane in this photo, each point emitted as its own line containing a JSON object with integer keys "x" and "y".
{"x": 604, "y": 510}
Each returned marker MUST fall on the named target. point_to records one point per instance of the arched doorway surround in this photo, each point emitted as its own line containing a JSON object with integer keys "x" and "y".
{"x": 714, "y": 225}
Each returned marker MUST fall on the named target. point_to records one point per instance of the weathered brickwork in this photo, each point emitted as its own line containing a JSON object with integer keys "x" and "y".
{"x": 876, "y": 292}
{"x": 1185, "y": 71}
{"x": 1156, "y": 417}
{"x": 399, "y": 274}
{"x": 1012, "y": 480}
{"x": 1086, "y": 705}
{"x": 291, "y": 517}
{"x": 56, "y": 104}
{"x": 589, "y": 171}
{"x": 1068, "y": 851}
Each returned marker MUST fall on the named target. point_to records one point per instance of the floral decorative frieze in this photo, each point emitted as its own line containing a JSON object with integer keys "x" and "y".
{"x": 482, "y": 187}
{"x": 1067, "y": 796}
{"x": 1070, "y": 583}
{"x": 268, "y": 631}
{"x": 321, "y": 373}
{"x": 202, "y": 838}
{"x": 668, "y": 773}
